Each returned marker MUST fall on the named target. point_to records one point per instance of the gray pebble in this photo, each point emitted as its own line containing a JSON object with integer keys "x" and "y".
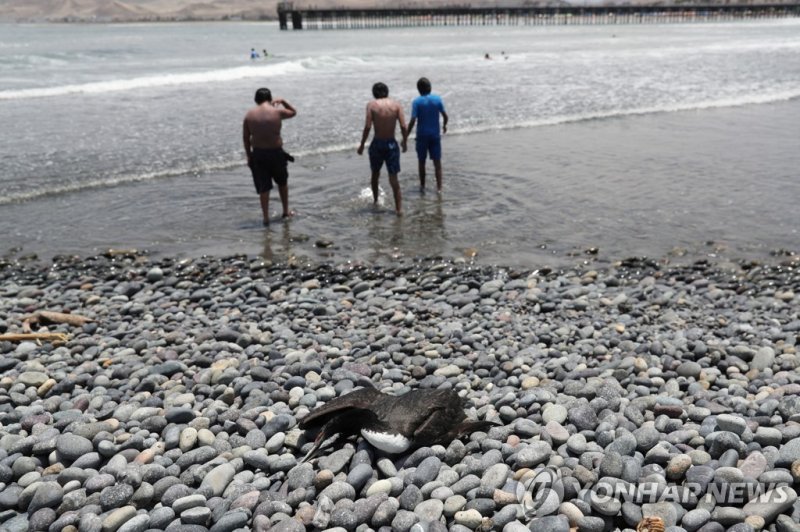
{"x": 359, "y": 475}
{"x": 72, "y": 447}
{"x": 339, "y": 490}
{"x": 115, "y": 496}
{"x": 550, "y": 523}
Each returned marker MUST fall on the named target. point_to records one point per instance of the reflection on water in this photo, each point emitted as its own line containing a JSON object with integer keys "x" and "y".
{"x": 419, "y": 232}
{"x": 427, "y": 226}
{"x": 277, "y": 236}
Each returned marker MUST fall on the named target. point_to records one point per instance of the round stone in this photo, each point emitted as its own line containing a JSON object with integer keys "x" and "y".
{"x": 72, "y": 447}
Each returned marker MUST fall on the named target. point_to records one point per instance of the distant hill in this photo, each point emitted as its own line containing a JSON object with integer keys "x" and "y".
{"x": 132, "y": 10}
{"x": 154, "y": 10}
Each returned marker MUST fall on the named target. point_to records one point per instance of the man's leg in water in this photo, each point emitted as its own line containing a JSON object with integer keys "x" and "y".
{"x": 264, "y": 197}
{"x": 284, "y": 192}
{"x": 437, "y": 166}
{"x": 374, "y": 184}
{"x": 422, "y": 174}
{"x": 398, "y": 200}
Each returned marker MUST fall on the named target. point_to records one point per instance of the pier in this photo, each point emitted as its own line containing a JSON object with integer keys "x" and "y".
{"x": 332, "y": 19}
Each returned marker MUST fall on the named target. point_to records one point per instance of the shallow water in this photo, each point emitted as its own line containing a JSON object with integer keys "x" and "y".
{"x": 633, "y": 140}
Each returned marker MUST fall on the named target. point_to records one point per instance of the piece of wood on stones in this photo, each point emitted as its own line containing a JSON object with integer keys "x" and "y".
{"x": 55, "y": 338}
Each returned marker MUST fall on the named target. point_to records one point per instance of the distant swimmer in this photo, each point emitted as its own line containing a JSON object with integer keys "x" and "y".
{"x": 253, "y": 53}
{"x": 264, "y": 53}
{"x": 384, "y": 113}
{"x": 426, "y": 109}
{"x": 487, "y": 56}
{"x": 264, "y": 148}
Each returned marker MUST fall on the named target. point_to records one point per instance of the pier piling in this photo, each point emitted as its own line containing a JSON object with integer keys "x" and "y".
{"x": 332, "y": 19}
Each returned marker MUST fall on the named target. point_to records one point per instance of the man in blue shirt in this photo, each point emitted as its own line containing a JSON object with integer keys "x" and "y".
{"x": 426, "y": 109}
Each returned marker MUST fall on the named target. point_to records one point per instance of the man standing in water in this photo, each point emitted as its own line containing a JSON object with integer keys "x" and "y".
{"x": 426, "y": 108}
{"x": 384, "y": 113}
{"x": 264, "y": 148}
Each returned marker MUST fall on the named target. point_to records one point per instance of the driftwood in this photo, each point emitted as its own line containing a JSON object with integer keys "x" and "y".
{"x": 46, "y": 316}
{"x": 55, "y": 338}
{"x": 112, "y": 253}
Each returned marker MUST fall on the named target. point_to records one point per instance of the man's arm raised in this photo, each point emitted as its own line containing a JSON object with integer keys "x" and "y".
{"x": 288, "y": 111}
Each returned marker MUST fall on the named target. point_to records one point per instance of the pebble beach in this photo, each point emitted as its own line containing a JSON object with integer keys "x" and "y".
{"x": 176, "y": 406}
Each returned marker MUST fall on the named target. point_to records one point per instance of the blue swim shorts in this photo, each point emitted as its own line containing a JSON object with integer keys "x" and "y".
{"x": 426, "y": 145}
{"x": 384, "y": 150}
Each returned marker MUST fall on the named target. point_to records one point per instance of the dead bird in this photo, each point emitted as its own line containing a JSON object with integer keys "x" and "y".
{"x": 393, "y": 424}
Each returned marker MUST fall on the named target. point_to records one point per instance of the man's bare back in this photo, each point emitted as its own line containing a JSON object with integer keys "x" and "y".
{"x": 384, "y": 114}
{"x": 262, "y": 124}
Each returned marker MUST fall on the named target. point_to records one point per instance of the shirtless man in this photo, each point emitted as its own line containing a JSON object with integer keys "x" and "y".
{"x": 264, "y": 148}
{"x": 384, "y": 113}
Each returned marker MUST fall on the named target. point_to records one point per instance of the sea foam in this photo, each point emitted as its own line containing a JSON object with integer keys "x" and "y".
{"x": 158, "y": 80}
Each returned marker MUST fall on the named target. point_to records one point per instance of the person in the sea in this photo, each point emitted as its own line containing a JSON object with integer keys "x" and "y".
{"x": 384, "y": 113}
{"x": 253, "y": 53}
{"x": 264, "y": 52}
{"x": 426, "y": 109}
{"x": 264, "y": 148}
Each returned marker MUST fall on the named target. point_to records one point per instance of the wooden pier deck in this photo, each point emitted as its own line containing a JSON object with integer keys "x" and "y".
{"x": 329, "y": 19}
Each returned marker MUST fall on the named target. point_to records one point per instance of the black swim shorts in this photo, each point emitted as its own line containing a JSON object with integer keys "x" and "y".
{"x": 268, "y": 165}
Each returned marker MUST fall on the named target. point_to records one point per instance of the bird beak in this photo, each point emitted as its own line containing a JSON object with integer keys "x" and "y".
{"x": 318, "y": 441}
{"x": 313, "y": 452}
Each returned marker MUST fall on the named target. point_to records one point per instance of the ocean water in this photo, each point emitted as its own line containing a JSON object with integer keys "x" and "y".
{"x": 675, "y": 140}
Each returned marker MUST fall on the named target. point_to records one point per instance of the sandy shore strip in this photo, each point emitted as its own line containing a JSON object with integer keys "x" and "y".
{"x": 640, "y": 390}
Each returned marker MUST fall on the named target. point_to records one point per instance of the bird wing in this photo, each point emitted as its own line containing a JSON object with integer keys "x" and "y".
{"x": 433, "y": 411}
{"x": 445, "y": 419}
{"x": 358, "y": 399}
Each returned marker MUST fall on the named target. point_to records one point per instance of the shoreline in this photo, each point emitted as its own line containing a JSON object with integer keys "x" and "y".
{"x": 320, "y": 253}
{"x": 176, "y": 407}
{"x": 498, "y": 208}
